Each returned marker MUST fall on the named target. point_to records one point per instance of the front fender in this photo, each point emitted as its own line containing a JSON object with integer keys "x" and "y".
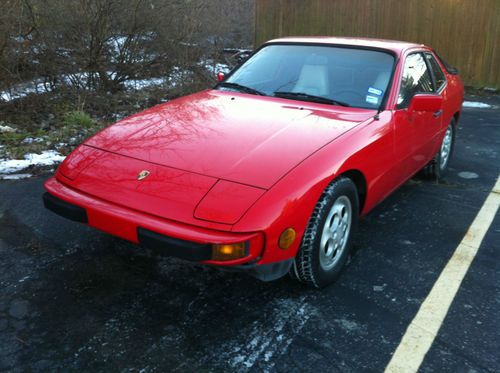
{"x": 290, "y": 202}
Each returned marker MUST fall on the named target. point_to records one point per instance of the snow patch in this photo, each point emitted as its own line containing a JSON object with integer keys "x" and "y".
{"x": 139, "y": 84}
{"x": 24, "y": 278}
{"x": 349, "y": 325}
{"x": 468, "y": 175}
{"x": 15, "y": 176}
{"x": 78, "y": 79}
{"x": 379, "y": 287}
{"x": 31, "y": 140}
{"x": 406, "y": 242}
{"x": 476, "y": 105}
{"x": 214, "y": 68}
{"x": 24, "y": 89}
{"x": 5, "y": 129}
{"x": 259, "y": 343}
{"x": 47, "y": 158}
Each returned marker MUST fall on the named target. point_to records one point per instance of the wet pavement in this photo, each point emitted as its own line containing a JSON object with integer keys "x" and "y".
{"x": 72, "y": 298}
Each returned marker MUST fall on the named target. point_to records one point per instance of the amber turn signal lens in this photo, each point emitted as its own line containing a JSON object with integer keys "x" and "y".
{"x": 287, "y": 238}
{"x": 225, "y": 252}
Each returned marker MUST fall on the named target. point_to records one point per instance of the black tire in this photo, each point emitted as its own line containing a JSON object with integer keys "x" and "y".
{"x": 312, "y": 265}
{"x": 436, "y": 169}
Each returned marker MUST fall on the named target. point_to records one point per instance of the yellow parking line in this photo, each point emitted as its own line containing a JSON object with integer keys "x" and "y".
{"x": 424, "y": 328}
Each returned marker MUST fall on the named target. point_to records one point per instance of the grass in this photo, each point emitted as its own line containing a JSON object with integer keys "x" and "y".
{"x": 73, "y": 129}
{"x": 61, "y": 120}
{"x": 77, "y": 119}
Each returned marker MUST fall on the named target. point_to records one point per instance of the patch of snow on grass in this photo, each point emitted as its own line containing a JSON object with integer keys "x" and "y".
{"x": 77, "y": 79}
{"x": 476, "y": 105}
{"x": 15, "y": 176}
{"x": 178, "y": 75}
{"x": 31, "y": 140}
{"x": 139, "y": 84}
{"x": 214, "y": 68}
{"x": 47, "y": 158}
{"x": 24, "y": 89}
{"x": 5, "y": 129}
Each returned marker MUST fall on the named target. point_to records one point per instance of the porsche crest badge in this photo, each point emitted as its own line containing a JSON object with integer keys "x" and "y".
{"x": 143, "y": 174}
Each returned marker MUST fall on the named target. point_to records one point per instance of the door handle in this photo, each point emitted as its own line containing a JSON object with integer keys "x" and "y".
{"x": 437, "y": 114}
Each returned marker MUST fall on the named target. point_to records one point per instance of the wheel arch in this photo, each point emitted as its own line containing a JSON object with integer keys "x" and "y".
{"x": 359, "y": 179}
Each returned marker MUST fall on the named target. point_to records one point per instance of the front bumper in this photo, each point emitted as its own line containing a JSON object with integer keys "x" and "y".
{"x": 166, "y": 237}
{"x": 168, "y": 246}
{"x": 65, "y": 209}
{"x": 162, "y": 244}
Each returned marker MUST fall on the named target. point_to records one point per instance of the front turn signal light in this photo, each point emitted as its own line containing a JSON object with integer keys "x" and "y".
{"x": 287, "y": 238}
{"x": 226, "y": 252}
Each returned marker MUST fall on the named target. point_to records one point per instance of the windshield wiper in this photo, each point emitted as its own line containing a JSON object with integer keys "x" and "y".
{"x": 241, "y": 88}
{"x": 307, "y": 97}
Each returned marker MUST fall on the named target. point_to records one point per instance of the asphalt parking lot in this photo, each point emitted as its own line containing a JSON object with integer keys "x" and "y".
{"x": 72, "y": 298}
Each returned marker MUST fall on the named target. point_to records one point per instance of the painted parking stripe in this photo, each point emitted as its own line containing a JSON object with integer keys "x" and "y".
{"x": 424, "y": 328}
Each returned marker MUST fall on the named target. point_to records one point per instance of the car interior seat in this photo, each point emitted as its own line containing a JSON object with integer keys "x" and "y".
{"x": 313, "y": 78}
{"x": 382, "y": 80}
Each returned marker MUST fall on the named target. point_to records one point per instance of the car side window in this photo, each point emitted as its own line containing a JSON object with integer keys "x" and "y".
{"x": 439, "y": 77}
{"x": 416, "y": 79}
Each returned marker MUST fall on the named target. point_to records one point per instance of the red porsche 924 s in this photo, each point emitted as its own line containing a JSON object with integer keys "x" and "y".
{"x": 269, "y": 171}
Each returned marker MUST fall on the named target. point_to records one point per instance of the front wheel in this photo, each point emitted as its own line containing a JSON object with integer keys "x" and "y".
{"x": 439, "y": 164}
{"x": 327, "y": 240}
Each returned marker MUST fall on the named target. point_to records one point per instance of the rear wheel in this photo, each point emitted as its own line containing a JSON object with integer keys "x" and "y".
{"x": 328, "y": 238}
{"x": 439, "y": 164}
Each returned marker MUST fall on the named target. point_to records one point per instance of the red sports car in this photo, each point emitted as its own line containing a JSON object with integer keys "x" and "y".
{"x": 269, "y": 171}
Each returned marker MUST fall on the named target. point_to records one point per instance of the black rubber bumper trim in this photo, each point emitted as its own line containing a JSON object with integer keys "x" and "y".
{"x": 168, "y": 246}
{"x": 65, "y": 209}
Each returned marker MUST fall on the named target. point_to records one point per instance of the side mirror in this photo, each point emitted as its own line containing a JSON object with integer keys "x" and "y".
{"x": 425, "y": 102}
{"x": 221, "y": 76}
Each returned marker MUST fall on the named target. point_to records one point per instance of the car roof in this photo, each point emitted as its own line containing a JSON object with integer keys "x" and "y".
{"x": 392, "y": 45}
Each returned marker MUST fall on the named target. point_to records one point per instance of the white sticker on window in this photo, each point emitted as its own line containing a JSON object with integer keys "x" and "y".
{"x": 372, "y": 100}
{"x": 375, "y": 91}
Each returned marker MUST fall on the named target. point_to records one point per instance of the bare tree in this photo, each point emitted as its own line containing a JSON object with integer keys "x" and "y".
{"x": 100, "y": 44}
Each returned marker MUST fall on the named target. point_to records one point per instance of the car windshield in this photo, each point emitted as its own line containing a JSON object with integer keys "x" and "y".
{"x": 346, "y": 76}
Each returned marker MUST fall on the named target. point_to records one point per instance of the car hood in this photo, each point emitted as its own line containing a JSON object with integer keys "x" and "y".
{"x": 247, "y": 139}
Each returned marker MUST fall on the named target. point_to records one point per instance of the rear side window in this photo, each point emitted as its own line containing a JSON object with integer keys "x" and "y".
{"x": 450, "y": 69}
{"x": 436, "y": 70}
{"x": 416, "y": 79}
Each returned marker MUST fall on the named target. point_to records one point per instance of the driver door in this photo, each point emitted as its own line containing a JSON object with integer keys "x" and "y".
{"x": 415, "y": 132}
